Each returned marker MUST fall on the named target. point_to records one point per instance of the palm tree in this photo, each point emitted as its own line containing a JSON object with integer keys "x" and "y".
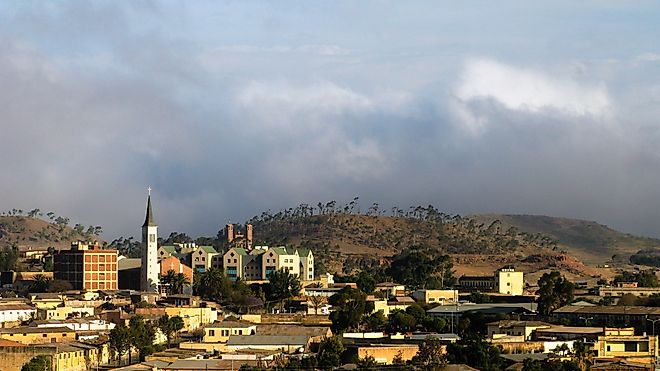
{"x": 40, "y": 284}
{"x": 178, "y": 282}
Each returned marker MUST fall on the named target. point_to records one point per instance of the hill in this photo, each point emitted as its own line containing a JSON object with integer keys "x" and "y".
{"x": 590, "y": 241}
{"x": 22, "y": 231}
{"x": 344, "y": 242}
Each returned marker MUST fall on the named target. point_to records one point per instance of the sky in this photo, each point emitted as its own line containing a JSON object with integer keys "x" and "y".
{"x": 229, "y": 108}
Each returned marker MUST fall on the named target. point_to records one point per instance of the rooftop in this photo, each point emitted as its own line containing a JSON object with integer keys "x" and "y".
{"x": 283, "y": 340}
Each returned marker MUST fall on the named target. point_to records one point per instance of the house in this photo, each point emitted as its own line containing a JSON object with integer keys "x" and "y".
{"x": 258, "y": 263}
{"x": 505, "y": 280}
{"x": 233, "y": 263}
{"x": 390, "y": 289}
{"x": 615, "y": 346}
{"x": 436, "y": 296}
{"x": 515, "y": 328}
{"x": 285, "y": 343}
{"x": 165, "y": 251}
{"x": 15, "y": 313}
{"x": 221, "y": 331}
{"x": 306, "y": 264}
{"x": 458, "y": 309}
{"x": 610, "y": 316}
{"x": 37, "y": 335}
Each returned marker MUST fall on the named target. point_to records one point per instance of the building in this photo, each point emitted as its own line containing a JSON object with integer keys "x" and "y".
{"x": 515, "y": 328}
{"x": 220, "y": 332}
{"x": 149, "y": 269}
{"x": 202, "y": 258}
{"x": 628, "y": 289}
{"x": 258, "y": 263}
{"x": 37, "y": 335}
{"x": 15, "y": 313}
{"x": 239, "y": 239}
{"x": 614, "y": 346}
{"x": 610, "y": 316}
{"x": 436, "y": 296}
{"x": 509, "y": 281}
{"x": 506, "y": 281}
{"x": 64, "y": 357}
{"x": 172, "y": 263}
{"x": 87, "y": 267}
{"x": 285, "y": 343}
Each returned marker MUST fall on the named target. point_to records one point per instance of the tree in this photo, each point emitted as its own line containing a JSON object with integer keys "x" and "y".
{"x": 8, "y": 259}
{"x": 351, "y": 306}
{"x": 169, "y": 326}
{"x": 330, "y": 351}
{"x": 417, "y": 269}
{"x": 367, "y": 363}
{"x": 375, "y": 321}
{"x": 176, "y": 281}
{"x": 120, "y": 341}
{"x": 40, "y": 283}
{"x": 401, "y": 321}
{"x": 38, "y": 363}
{"x": 282, "y": 286}
{"x": 474, "y": 351}
{"x": 554, "y": 291}
{"x": 644, "y": 278}
{"x": 143, "y": 335}
{"x": 479, "y": 297}
{"x": 628, "y": 300}
{"x": 430, "y": 355}
{"x": 366, "y": 282}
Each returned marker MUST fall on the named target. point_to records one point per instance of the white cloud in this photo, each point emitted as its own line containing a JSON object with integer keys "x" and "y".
{"x": 648, "y": 57}
{"x": 523, "y": 89}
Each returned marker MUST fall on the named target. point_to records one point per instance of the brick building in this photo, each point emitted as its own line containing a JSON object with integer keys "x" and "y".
{"x": 87, "y": 267}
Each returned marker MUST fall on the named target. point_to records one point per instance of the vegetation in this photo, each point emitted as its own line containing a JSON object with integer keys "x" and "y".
{"x": 282, "y": 286}
{"x": 644, "y": 278}
{"x": 38, "y": 363}
{"x": 330, "y": 351}
{"x": 351, "y": 307}
{"x": 175, "y": 281}
{"x": 417, "y": 269}
{"x": 120, "y": 341}
{"x": 430, "y": 355}
{"x": 170, "y": 326}
{"x": 554, "y": 291}
{"x": 476, "y": 352}
{"x": 216, "y": 286}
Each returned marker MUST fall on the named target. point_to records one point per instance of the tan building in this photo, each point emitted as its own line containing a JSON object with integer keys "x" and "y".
{"x": 37, "y": 335}
{"x": 259, "y": 262}
{"x": 509, "y": 281}
{"x": 219, "y": 332}
{"x": 87, "y": 267}
{"x": 385, "y": 354}
{"x": 515, "y": 328}
{"x": 64, "y": 357}
{"x": 436, "y": 296}
{"x": 622, "y": 346}
{"x": 202, "y": 258}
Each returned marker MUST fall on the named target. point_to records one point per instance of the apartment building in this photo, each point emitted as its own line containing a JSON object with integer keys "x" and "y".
{"x": 261, "y": 261}
{"x": 87, "y": 267}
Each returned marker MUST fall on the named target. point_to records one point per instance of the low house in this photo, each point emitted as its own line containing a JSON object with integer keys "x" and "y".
{"x": 390, "y": 289}
{"x": 566, "y": 333}
{"x": 221, "y": 331}
{"x": 11, "y": 314}
{"x": 285, "y": 343}
{"x": 614, "y": 346}
{"x": 515, "y": 328}
{"x": 436, "y": 296}
{"x": 36, "y": 335}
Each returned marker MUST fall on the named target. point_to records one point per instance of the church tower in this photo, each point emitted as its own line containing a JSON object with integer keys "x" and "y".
{"x": 149, "y": 272}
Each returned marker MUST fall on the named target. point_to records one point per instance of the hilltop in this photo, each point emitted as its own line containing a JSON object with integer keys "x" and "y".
{"x": 19, "y": 231}
{"x": 346, "y": 241}
{"x": 592, "y": 242}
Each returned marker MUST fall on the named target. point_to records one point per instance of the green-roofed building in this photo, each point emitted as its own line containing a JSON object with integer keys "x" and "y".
{"x": 258, "y": 263}
{"x": 202, "y": 258}
{"x": 165, "y": 251}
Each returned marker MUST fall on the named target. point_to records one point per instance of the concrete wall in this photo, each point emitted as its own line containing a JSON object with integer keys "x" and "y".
{"x": 386, "y": 354}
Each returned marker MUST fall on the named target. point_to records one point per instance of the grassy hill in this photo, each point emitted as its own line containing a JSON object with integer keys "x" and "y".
{"x": 345, "y": 241}
{"x": 590, "y": 241}
{"x": 18, "y": 231}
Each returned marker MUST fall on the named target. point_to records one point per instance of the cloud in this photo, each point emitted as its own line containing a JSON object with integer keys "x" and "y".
{"x": 525, "y": 90}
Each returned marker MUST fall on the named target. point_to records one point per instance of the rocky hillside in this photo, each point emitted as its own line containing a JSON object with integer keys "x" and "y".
{"x": 591, "y": 242}
{"x": 19, "y": 231}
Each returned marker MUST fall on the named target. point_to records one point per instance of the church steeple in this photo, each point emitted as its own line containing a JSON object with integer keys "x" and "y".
{"x": 149, "y": 219}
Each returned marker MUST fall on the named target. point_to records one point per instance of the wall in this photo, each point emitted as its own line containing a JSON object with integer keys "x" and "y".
{"x": 386, "y": 354}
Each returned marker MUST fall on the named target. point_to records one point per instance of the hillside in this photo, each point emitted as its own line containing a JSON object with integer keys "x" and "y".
{"x": 591, "y": 242}
{"x": 345, "y": 241}
{"x": 22, "y": 231}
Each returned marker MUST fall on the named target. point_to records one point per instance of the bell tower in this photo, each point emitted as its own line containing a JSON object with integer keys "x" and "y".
{"x": 149, "y": 272}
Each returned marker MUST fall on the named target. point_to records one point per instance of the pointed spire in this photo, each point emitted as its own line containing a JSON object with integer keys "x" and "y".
{"x": 149, "y": 219}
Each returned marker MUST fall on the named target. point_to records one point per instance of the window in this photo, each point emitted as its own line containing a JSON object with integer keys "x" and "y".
{"x": 630, "y": 346}
{"x": 152, "y": 238}
{"x": 211, "y": 332}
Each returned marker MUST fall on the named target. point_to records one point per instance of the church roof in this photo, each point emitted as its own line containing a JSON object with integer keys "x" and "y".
{"x": 149, "y": 220}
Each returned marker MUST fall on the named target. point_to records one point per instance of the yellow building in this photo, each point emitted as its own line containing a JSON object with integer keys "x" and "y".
{"x": 62, "y": 313}
{"x": 509, "y": 281}
{"x": 219, "y": 332}
{"x": 436, "y": 296}
{"x": 38, "y": 335}
{"x": 622, "y": 345}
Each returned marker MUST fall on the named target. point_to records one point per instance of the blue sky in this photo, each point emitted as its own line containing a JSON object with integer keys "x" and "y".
{"x": 229, "y": 108}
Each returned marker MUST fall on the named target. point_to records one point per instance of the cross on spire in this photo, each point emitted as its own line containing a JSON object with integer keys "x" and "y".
{"x": 149, "y": 190}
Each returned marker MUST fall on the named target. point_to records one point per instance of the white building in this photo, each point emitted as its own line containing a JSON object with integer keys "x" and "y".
{"x": 16, "y": 313}
{"x": 150, "y": 269}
